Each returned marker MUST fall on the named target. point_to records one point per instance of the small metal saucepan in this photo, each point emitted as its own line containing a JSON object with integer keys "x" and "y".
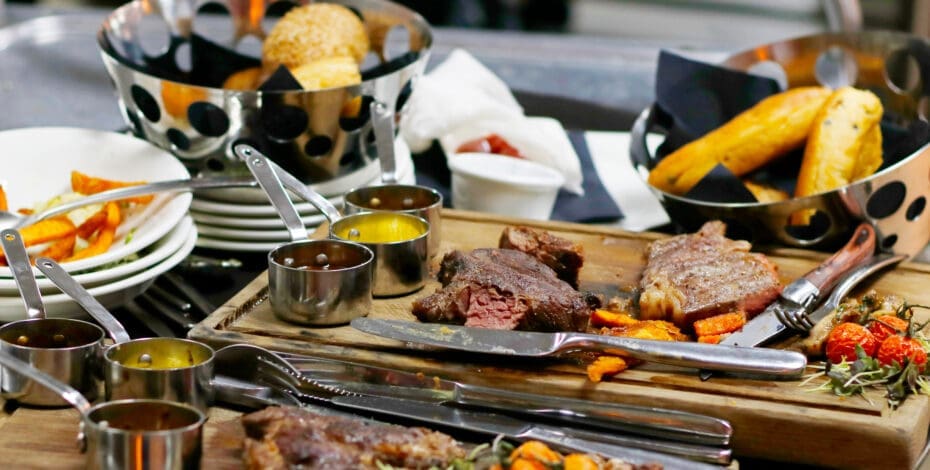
{"x": 391, "y": 196}
{"x": 312, "y": 282}
{"x": 63, "y": 348}
{"x": 129, "y": 434}
{"x": 172, "y": 369}
{"x": 399, "y": 241}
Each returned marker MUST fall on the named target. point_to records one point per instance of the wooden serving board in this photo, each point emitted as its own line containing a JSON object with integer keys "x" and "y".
{"x": 776, "y": 420}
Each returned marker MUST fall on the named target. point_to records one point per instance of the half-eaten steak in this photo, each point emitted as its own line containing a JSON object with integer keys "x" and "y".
{"x": 503, "y": 289}
{"x": 563, "y": 256}
{"x": 694, "y": 276}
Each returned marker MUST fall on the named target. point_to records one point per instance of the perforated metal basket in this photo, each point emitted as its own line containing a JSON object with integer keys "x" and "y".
{"x": 320, "y": 136}
{"x": 892, "y": 65}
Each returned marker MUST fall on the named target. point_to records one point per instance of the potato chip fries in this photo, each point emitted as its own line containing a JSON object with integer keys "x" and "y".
{"x": 82, "y": 233}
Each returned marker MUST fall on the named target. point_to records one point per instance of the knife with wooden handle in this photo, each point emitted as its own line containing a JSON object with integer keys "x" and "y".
{"x": 803, "y": 295}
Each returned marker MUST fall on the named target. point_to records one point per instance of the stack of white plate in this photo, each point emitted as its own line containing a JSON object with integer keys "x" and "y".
{"x": 37, "y": 165}
{"x": 243, "y": 220}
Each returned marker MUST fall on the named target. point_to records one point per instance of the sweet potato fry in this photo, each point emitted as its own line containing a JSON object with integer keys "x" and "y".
{"x": 720, "y": 324}
{"x": 712, "y": 339}
{"x": 605, "y": 365}
{"x": 104, "y": 236}
{"x": 607, "y": 318}
{"x": 3, "y": 204}
{"x": 61, "y": 248}
{"x": 92, "y": 224}
{"x": 86, "y": 184}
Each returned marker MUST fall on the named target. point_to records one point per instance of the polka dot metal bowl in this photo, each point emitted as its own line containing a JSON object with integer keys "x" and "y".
{"x": 168, "y": 60}
{"x": 894, "y": 200}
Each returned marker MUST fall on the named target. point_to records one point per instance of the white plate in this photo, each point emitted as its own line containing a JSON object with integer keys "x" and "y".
{"x": 37, "y": 166}
{"x": 253, "y": 223}
{"x": 224, "y": 233}
{"x": 111, "y": 295}
{"x": 361, "y": 177}
{"x": 231, "y": 245}
{"x": 254, "y": 210}
{"x": 157, "y": 252}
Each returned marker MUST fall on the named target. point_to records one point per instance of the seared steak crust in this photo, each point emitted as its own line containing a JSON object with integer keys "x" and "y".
{"x": 694, "y": 276}
{"x": 503, "y": 289}
{"x": 563, "y": 256}
{"x": 285, "y": 437}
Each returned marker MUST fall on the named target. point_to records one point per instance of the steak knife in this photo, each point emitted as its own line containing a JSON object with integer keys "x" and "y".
{"x": 803, "y": 295}
{"x": 513, "y": 428}
{"x": 756, "y": 361}
{"x": 613, "y": 417}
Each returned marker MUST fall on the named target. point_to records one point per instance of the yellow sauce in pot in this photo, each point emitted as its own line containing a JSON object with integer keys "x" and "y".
{"x": 380, "y": 227}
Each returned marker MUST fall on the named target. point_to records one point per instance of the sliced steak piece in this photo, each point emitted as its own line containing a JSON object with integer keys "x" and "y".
{"x": 695, "y": 276}
{"x": 503, "y": 289}
{"x": 285, "y": 437}
{"x": 563, "y": 256}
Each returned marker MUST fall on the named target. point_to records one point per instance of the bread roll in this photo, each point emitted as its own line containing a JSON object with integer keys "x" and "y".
{"x": 845, "y": 143}
{"x": 312, "y": 32}
{"x": 753, "y": 138}
{"x": 327, "y": 73}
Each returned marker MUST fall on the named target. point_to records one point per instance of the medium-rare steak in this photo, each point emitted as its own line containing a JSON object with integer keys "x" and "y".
{"x": 563, "y": 256}
{"x": 503, "y": 289}
{"x": 694, "y": 276}
{"x": 285, "y": 437}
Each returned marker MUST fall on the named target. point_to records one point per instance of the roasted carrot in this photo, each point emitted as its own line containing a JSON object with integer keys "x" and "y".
{"x": 3, "y": 203}
{"x": 535, "y": 451}
{"x": 720, "y": 324}
{"x": 86, "y": 184}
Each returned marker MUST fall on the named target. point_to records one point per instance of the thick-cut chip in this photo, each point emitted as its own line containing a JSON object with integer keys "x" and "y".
{"x": 104, "y": 237}
{"x": 45, "y": 231}
{"x": 92, "y": 224}
{"x": 60, "y": 249}
{"x": 86, "y": 184}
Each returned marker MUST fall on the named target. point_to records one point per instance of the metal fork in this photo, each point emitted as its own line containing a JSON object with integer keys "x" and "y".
{"x": 802, "y": 321}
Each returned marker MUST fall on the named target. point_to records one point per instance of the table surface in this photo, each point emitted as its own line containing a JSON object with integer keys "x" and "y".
{"x": 585, "y": 82}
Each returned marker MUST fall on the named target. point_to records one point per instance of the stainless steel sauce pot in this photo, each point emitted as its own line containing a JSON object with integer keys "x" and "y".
{"x": 173, "y": 369}
{"x": 390, "y": 195}
{"x": 64, "y": 348}
{"x": 400, "y": 265}
{"x": 127, "y": 434}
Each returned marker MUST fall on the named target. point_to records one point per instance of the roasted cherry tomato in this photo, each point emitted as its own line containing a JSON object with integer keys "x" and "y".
{"x": 842, "y": 341}
{"x": 886, "y": 325}
{"x": 898, "y": 348}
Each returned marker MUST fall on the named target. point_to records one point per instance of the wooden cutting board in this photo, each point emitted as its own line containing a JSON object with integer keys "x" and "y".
{"x": 777, "y": 420}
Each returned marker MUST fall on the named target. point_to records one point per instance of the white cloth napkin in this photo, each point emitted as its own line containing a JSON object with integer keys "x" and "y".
{"x": 461, "y": 100}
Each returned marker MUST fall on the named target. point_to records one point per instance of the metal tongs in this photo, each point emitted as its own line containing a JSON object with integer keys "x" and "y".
{"x": 688, "y": 435}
